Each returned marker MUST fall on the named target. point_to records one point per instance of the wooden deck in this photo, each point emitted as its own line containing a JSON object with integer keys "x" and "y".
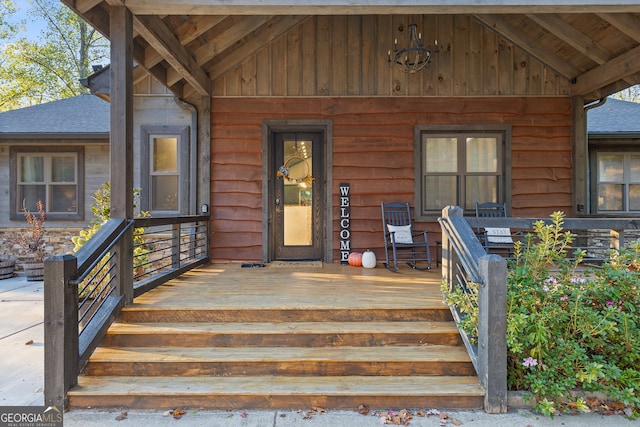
{"x": 284, "y": 337}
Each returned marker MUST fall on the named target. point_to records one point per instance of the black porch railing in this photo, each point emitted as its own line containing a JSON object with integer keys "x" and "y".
{"x": 85, "y": 292}
{"x": 479, "y": 280}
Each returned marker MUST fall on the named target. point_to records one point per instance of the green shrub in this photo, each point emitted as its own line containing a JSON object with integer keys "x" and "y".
{"x": 568, "y": 328}
{"x": 101, "y": 209}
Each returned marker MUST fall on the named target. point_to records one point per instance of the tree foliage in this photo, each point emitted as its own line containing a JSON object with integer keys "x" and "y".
{"x": 33, "y": 71}
{"x": 631, "y": 94}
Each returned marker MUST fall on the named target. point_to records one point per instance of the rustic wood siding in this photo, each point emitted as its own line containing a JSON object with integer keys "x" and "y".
{"x": 373, "y": 151}
{"x": 347, "y": 55}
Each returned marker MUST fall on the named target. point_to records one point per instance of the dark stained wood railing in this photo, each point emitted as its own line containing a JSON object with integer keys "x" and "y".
{"x": 85, "y": 292}
{"x": 483, "y": 281}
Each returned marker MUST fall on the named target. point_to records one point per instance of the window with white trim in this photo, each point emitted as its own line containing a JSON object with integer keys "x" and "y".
{"x": 52, "y": 176}
{"x": 458, "y": 168}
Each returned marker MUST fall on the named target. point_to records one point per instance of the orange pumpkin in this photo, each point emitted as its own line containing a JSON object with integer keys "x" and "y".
{"x": 355, "y": 259}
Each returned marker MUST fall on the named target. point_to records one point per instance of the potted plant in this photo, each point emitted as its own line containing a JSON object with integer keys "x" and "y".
{"x": 32, "y": 240}
{"x": 7, "y": 266}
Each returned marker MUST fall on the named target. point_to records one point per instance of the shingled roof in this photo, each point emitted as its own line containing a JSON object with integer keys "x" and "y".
{"x": 614, "y": 118}
{"x": 83, "y": 116}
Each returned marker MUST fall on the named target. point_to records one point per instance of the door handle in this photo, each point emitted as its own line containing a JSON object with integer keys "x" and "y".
{"x": 277, "y": 201}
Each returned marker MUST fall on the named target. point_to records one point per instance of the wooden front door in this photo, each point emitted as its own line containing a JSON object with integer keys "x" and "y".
{"x": 297, "y": 204}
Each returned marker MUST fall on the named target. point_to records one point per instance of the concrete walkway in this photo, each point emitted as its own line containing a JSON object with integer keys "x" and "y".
{"x": 22, "y": 383}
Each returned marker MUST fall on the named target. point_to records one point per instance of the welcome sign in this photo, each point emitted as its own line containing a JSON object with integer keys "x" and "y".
{"x": 345, "y": 222}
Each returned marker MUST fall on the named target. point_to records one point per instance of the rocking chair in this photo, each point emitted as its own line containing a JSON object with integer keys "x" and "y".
{"x": 495, "y": 240}
{"x": 401, "y": 243}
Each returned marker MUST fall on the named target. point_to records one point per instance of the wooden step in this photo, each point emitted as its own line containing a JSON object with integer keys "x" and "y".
{"x": 289, "y": 361}
{"x": 141, "y": 314}
{"x": 300, "y": 334}
{"x": 282, "y": 392}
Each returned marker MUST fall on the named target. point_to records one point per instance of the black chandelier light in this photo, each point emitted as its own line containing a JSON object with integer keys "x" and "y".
{"x": 415, "y": 56}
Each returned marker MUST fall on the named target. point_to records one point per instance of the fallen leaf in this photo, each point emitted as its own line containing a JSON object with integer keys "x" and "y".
{"x": 244, "y": 415}
{"x": 122, "y": 416}
{"x": 178, "y": 413}
{"x": 167, "y": 413}
{"x": 29, "y": 342}
{"x": 363, "y": 409}
{"x": 456, "y": 422}
{"x": 319, "y": 410}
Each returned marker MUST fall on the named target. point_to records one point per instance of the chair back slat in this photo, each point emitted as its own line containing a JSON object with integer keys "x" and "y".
{"x": 396, "y": 213}
{"x": 491, "y": 210}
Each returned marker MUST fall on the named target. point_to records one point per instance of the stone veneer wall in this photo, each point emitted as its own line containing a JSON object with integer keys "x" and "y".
{"x": 58, "y": 242}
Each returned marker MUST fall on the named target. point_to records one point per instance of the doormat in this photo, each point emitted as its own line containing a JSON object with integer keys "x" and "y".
{"x": 296, "y": 264}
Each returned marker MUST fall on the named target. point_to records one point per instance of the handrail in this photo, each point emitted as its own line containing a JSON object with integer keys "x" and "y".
{"x": 85, "y": 292}
{"x": 479, "y": 279}
{"x": 89, "y": 257}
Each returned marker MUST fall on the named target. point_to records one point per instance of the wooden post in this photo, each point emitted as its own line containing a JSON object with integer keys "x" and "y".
{"x": 492, "y": 332}
{"x": 447, "y": 248}
{"x": 175, "y": 246}
{"x": 121, "y": 140}
{"x": 60, "y": 329}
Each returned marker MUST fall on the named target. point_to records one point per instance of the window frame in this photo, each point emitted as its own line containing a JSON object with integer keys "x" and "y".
{"x": 16, "y": 213}
{"x": 609, "y": 146}
{"x": 458, "y": 131}
{"x": 182, "y": 133}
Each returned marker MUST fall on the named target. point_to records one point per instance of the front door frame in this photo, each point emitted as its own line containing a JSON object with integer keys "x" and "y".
{"x": 269, "y": 127}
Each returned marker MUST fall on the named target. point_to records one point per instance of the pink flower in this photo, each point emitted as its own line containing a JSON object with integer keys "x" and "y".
{"x": 564, "y": 298}
{"x": 529, "y": 361}
{"x": 609, "y": 303}
{"x": 578, "y": 280}
{"x": 545, "y": 288}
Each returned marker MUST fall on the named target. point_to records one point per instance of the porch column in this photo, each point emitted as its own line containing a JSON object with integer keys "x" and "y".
{"x": 121, "y": 138}
{"x": 580, "y": 156}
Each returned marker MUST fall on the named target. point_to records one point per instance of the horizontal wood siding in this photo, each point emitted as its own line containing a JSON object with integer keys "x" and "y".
{"x": 373, "y": 151}
{"x": 347, "y": 56}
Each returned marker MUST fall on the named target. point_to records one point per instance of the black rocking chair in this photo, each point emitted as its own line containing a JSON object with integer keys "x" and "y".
{"x": 495, "y": 240}
{"x": 401, "y": 242}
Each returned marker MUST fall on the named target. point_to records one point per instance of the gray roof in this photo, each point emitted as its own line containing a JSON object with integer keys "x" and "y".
{"x": 80, "y": 116}
{"x": 615, "y": 117}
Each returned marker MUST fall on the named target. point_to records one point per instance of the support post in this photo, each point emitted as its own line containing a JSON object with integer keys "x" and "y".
{"x": 492, "y": 332}
{"x": 121, "y": 140}
{"x": 175, "y": 246}
{"x": 60, "y": 329}
{"x": 447, "y": 251}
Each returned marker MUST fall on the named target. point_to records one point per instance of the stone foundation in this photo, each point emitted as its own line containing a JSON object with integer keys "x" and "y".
{"x": 57, "y": 242}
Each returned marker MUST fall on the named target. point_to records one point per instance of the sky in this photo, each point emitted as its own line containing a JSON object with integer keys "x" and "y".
{"x": 32, "y": 26}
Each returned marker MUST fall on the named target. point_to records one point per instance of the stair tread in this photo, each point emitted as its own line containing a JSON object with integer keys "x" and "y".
{"x": 278, "y": 385}
{"x": 416, "y": 354}
{"x": 425, "y": 327}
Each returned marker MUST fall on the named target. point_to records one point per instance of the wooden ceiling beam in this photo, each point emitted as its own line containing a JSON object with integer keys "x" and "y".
{"x": 625, "y": 65}
{"x": 160, "y": 37}
{"x": 625, "y": 23}
{"x": 565, "y": 32}
{"x": 196, "y": 26}
{"x": 242, "y": 27}
{"x": 186, "y": 33}
{"x": 574, "y": 38}
{"x": 374, "y": 7}
{"x": 524, "y": 42}
{"x": 83, "y": 6}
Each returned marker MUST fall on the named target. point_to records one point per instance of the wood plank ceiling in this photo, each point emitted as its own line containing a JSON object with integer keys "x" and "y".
{"x": 186, "y": 44}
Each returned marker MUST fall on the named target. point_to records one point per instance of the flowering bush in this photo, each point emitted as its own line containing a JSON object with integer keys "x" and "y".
{"x": 568, "y": 329}
{"x": 32, "y": 238}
